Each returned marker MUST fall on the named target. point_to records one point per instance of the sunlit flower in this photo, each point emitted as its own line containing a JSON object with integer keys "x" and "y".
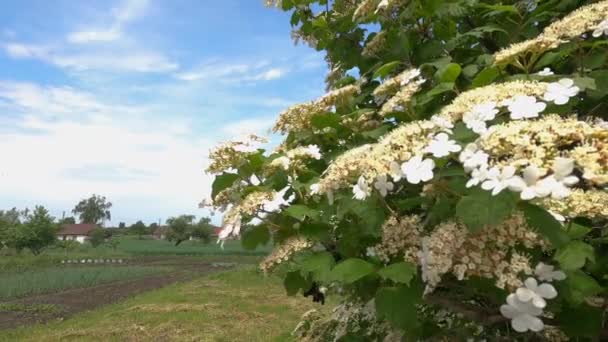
{"x": 523, "y": 316}
{"x": 560, "y": 92}
{"x": 395, "y": 170}
{"x": 313, "y": 151}
{"x": 315, "y": 189}
{"x": 602, "y": 28}
{"x": 361, "y": 190}
{"x": 525, "y": 107}
{"x": 498, "y": 180}
{"x": 383, "y": 185}
{"x": 479, "y": 114}
{"x": 559, "y": 182}
{"x": 545, "y": 72}
{"x": 478, "y": 176}
{"x": 442, "y": 146}
{"x": 416, "y": 169}
{"x": 472, "y": 157}
{"x": 445, "y": 124}
{"x": 546, "y": 272}
{"x": 534, "y": 293}
{"x": 254, "y": 180}
{"x": 278, "y": 201}
{"x": 382, "y": 5}
{"x": 283, "y": 161}
{"x": 405, "y": 79}
{"x": 527, "y": 185}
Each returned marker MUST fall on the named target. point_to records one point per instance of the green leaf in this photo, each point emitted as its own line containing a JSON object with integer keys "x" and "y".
{"x": 300, "y": 212}
{"x": 410, "y": 203}
{"x": 449, "y": 73}
{"x": 485, "y": 77}
{"x": 324, "y": 120}
{"x": 462, "y": 134}
{"x": 480, "y": 208}
{"x": 317, "y": 261}
{"x": 470, "y": 70}
{"x": 351, "y": 270}
{"x": 401, "y": 272}
{"x": 574, "y": 255}
{"x": 386, "y": 69}
{"x": 222, "y": 182}
{"x": 577, "y": 231}
{"x": 541, "y": 220}
{"x": 294, "y": 282}
{"x": 548, "y": 58}
{"x": 254, "y": 237}
{"x": 398, "y": 305}
{"x": 580, "y": 286}
{"x": 584, "y": 83}
{"x": 581, "y": 321}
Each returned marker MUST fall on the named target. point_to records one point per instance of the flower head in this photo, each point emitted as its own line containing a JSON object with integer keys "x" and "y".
{"x": 534, "y": 293}
{"x": 361, "y": 190}
{"x": 546, "y": 272}
{"x": 561, "y": 91}
{"x": 479, "y": 114}
{"x": 525, "y": 107}
{"x": 416, "y": 169}
{"x": 383, "y": 185}
{"x": 472, "y": 157}
{"x": 498, "y": 180}
{"x": 602, "y": 28}
{"x": 524, "y": 316}
{"x": 395, "y": 170}
{"x": 527, "y": 185}
{"x": 442, "y": 146}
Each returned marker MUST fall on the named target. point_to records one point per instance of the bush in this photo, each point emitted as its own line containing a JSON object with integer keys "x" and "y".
{"x": 453, "y": 178}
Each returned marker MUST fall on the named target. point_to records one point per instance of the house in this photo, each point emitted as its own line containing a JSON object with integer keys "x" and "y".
{"x": 160, "y": 233}
{"x": 77, "y": 232}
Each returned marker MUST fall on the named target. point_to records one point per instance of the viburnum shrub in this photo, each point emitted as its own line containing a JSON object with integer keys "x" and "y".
{"x": 451, "y": 184}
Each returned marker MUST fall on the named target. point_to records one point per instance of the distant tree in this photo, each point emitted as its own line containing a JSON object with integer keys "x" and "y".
{"x": 8, "y": 220}
{"x": 67, "y": 245}
{"x": 97, "y": 237}
{"x": 203, "y": 230}
{"x": 67, "y": 220}
{"x": 122, "y": 225}
{"x": 113, "y": 243}
{"x": 153, "y": 226}
{"x": 36, "y": 233}
{"x": 139, "y": 228}
{"x": 95, "y": 209}
{"x": 180, "y": 228}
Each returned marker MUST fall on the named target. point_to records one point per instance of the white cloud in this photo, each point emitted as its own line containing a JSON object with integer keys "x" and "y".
{"x": 121, "y": 15}
{"x": 260, "y": 125}
{"x": 133, "y": 60}
{"x": 219, "y": 71}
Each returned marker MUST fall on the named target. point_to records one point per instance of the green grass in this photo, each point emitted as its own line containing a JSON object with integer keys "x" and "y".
{"x": 35, "y": 308}
{"x": 51, "y": 279}
{"x": 238, "y": 305}
{"x": 133, "y": 246}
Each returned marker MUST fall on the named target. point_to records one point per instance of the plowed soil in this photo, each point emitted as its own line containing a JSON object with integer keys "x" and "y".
{"x": 73, "y": 301}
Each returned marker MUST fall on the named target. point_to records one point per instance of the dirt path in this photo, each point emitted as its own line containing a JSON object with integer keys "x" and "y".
{"x": 77, "y": 300}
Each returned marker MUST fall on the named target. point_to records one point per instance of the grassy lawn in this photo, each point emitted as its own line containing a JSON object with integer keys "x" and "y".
{"x": 51, "y": 279}
{"x": 133, "y": 246}
{"x": 239, "y": 305}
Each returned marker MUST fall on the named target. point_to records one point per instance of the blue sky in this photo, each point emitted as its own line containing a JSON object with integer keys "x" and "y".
{"x": 125, "y": 98}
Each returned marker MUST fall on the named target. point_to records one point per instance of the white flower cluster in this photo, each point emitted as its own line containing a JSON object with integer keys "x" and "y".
{"x": 417, "y": 169}
{"x": 530, "y": 184}
{"x": 521, "y": 106}
{"x": 310, "y": 151}
{"x": 526, "y": 304}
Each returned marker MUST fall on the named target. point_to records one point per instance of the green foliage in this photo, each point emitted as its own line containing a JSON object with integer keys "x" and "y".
{"x": 97, "y": 237}
{"x": 180, "y": 228}
{"x": 36, "y": 233}
{"x": 398, "y": 305}
{"x": 139, "y": 228}
{"x": 95, "y": 209}
{"x": 546, "y": 224}
{"x": 480, "y": 208}
{"x": 351, "y": 270}
{"x": 401, "y": 272}
{"x": 574, "y": 255}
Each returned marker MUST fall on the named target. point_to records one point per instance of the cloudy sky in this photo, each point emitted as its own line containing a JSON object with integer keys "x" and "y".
{"x": 124, "y": 98}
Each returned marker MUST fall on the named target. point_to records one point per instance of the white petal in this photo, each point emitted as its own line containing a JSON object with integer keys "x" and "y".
{"x": 509, "y": 311}
{"x": 539, "y": 302}
{"x": 547, "y": 291}
{"x": 523, "y": 294}
{"x": 531, "y": 283}
{"x": 519, "y": 324}
{"x": 534, "y": 323}
{"x": 558, "y": 275}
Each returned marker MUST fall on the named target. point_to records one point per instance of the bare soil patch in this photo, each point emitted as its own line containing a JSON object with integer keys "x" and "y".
{"x": 73, "y": 301}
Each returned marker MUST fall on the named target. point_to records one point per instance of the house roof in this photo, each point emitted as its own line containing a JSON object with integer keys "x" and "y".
{"x": 77, "y": 229}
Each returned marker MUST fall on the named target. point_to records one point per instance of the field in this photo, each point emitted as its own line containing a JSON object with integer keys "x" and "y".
{"x": 161, "y": 292}
{"x": 237, "y": 305}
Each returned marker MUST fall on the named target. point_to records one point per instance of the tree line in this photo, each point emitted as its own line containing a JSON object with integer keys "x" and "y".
{"x": 35, "y": 230}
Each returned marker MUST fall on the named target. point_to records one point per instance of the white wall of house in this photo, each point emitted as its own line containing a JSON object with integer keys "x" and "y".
{"x": 77, "y": 238}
